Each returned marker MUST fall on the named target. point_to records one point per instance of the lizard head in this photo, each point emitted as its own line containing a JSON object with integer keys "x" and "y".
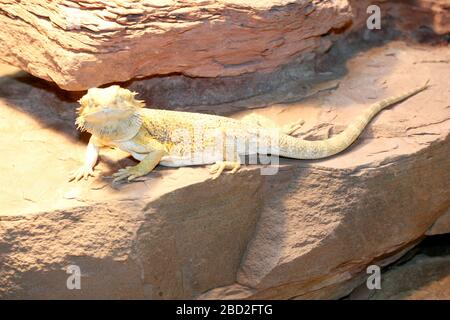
{"x": 101, "y": 106}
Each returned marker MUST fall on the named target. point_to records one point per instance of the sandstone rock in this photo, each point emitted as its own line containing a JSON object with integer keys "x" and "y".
{"x": 441, "y": 226}
{"x": 69, "y": 42}
{"x": 423, "y": 277}
{"x": 81, "y": 44}
{"x": 434, "y": 14}
{"x": 407, "y": 16}
{"x": 307, "y": 232}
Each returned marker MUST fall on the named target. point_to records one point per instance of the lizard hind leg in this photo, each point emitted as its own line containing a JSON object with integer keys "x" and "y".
{"x": 217, "y": 168}
{"x": 258, "y": 120}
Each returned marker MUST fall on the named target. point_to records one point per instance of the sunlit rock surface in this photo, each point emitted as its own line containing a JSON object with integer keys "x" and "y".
{"x": 307, "y": 232}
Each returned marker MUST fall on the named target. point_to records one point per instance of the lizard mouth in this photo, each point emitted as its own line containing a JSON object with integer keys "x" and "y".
{"x": 86, "y": 122}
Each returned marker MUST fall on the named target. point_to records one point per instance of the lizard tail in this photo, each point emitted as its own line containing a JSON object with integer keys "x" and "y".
{"x": 291, "y": 147}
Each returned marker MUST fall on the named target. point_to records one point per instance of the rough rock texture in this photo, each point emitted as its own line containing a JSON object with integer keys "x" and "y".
{"x": 82, "y": 44}
{"x": 423, "y": 277}
{"x": 407, "y": 16}
{"x": 69, "y": 42}
{"x": 307, "y": 232}
{"x": 441, "y": 226}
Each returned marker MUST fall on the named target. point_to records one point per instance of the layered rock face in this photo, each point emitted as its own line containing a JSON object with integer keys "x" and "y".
{"x": 82, "y": 44}
{"x": 406, "y": 15}
{"x": 422, "y": 274}
{"x": 422, "y": 278}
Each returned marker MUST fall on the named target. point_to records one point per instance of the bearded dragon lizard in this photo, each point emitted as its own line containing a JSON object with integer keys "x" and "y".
{"x": 114, "y": 117}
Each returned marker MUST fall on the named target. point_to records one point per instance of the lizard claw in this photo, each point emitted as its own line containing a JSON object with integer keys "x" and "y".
{"x": 217, "y": 169}
{"x": 81, "y": 173}
{"x": 291, "y": 128}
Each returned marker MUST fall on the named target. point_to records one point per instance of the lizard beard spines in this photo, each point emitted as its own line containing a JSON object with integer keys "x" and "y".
{"x": 80, "y": 123}
{"x": 113, "y": 130}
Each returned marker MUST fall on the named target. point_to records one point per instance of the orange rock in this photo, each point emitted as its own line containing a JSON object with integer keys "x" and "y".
{"x": 85, "y": 44}
{"x": 309, "y": 231}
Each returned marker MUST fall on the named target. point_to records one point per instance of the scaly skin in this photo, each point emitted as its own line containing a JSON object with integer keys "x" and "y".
{"x": 171, "y": 138}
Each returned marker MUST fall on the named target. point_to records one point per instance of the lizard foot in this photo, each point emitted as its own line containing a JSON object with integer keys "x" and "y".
{"x": 217, "y": 168}
{"x": 81, "y": 173}
{"x": 129, "y": 173}
{"x": 290, "y": 128}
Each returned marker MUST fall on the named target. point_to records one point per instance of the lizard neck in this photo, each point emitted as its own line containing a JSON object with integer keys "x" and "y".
{"x": 115, "y": 130}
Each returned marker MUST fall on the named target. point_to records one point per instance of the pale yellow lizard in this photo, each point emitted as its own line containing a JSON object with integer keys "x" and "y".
{"x": 171, "y": 138}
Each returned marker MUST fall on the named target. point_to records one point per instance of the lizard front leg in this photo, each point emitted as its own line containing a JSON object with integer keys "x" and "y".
{"x": 230, "y": 158}
{"x": 217, "y": 168}
{"x": 91, "y": 157}
{"x": 147, "y": 164}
